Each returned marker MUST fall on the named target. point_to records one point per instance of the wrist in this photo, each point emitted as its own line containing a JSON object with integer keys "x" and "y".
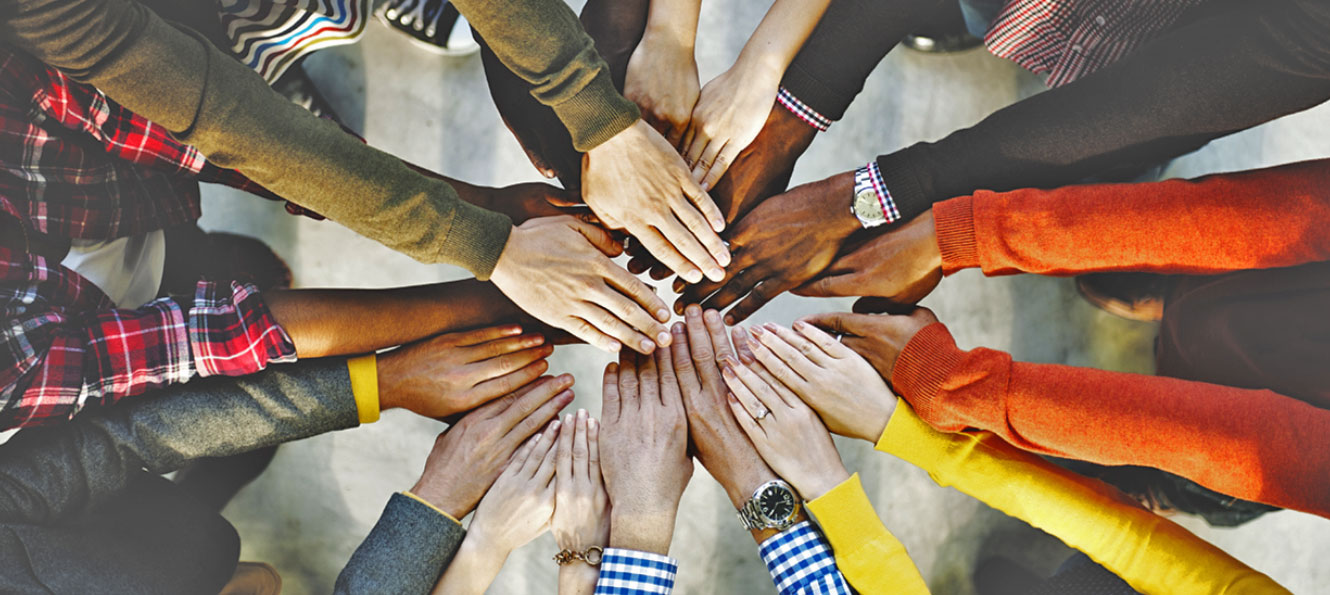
{"x": 817, "y": 484}
{"x": 642, "y": 531}
{"x": 740, "y": 487}
{"x": 758, "y": 68}
{"x": 670, "y": 37}
{"x": 837, "y": 201}
{"x": 439, "y": 496}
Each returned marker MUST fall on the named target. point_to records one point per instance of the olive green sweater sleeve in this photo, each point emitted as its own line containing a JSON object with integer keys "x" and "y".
{"x": 543, "y": 42}
{"x": 178, "y": 80}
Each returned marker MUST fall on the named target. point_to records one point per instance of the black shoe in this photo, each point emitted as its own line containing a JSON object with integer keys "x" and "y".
{"x": 296, "y": 85}
{"x": 434, "y": 25}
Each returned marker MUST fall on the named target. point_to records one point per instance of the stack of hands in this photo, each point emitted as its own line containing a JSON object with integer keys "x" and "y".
{"x": 757, "y": 405}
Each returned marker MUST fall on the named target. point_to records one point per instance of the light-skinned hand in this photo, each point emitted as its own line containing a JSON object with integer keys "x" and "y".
{"x": 662, "y": 81}
{"x": 518, "y": 507}
{"x": 903, "y": 266}
{"x": 558, "y": 269}
{"x": 700, "y": 344}
{"x": 581, "y": 509}
{"x": 455, "y": 372}
{"x": 785, "y": 241}
{"x": 643, "y": 450}
{"x": 843, "y": 388}
{"x": 787, "y": 432}
{"x": 470, "y": 455}
{"x": 635, "y": 181}
{"x": 879, "y": 338}
{"x": 729, "y": 114}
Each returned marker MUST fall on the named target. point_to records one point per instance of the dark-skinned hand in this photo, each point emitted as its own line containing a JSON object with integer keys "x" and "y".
{"x": 902, "y": 266}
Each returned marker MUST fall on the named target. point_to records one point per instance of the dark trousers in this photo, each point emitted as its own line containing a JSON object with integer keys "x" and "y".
{"x": 153, "y": 538}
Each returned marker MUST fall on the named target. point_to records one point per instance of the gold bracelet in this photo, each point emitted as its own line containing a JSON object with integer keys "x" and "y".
{"x": 590, "y": 556}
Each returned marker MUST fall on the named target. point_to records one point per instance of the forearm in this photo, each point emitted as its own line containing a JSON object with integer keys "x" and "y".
{"x": 779, "y": 36}
{"x": 1267, "y": 218}
{"x": 1151, "y": 553}
{"x": 56, "y": 473}
{"x": 472, "y": 571}
{"x": 325, "y": 322}
{"x": 1132, "y": 114}
{"x": 674, "y": 23}
{"x": 1252, "y": 444}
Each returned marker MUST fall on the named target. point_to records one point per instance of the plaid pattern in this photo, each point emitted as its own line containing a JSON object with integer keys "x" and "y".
{"x": 802, "y": 111}
{"x": 1069, "y": 39}
{"x": 801, "y": 563}
{"x": 870, "y": 177}
{"x": 75, "y": 165}
{"x": 629, "y": 572}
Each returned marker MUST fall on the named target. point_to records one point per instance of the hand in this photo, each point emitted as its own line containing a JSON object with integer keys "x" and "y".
{"x": 454, "y": 372}
{"x": 719, "y": 442}
{"x": 581, "y": 513}
{"x": 879, "y": 338}
{"x": 760, "y": 171}
{"x": 729, "y": 115}
{"x": 788, "y": 434}
{"x": 644, "y": 455}
{"x": 662, "y": 80}
{"x": 523, "y": 202}
{"x": 844, "y": 389}
{"x": 902, "y": 266}
{"x": 637, "y": 182}
{"x": 784, "y": 242}
{"x": 558, "y": 269}
{"x": 518, "y": 507}
{"x": 470, "y": 455}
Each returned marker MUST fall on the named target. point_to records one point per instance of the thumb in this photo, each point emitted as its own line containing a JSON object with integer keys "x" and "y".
{"x": 598, "y": 236}
{"x": 842, "y": 323}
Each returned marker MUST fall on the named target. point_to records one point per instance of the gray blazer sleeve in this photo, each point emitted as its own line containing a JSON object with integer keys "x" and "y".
{"x": 405, "y": 553}
{"x": 54, "y": 473}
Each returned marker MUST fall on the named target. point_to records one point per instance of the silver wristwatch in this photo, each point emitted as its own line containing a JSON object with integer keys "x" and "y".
{"x": 774, "y": 505}
{"x": 867, "y": 202}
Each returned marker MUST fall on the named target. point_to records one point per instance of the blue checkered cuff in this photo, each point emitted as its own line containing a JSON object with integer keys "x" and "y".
{"x": 801, "y": 563}
{"x": 802, "y": 111}
{"x": 630, "y": 572}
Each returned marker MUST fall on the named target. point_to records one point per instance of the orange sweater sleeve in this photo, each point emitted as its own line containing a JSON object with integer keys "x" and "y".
{"x": 1252, "y": 444}
{"x": 1264, "y": 218}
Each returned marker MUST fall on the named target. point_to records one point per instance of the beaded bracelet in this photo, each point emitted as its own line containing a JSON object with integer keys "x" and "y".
{"x": 590, "y": 556}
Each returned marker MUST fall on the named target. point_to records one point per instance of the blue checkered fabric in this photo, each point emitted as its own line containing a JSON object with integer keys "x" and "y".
{"x": 629, "y": 572}
{"x": 801, "y": 563}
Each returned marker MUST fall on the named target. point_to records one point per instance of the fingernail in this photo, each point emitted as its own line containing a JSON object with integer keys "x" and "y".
{"x": 663, "y": 315}
{"x": 712, "y": 315}
{"x": 692, "y": 276}
{"x": 756, "y": 330}
{"x": 677, "y": 328}
{"x": 648, "y": 345}
{"x": 729, "y": 320}
{"x": 723, "y": 258}
{"x": 565, "y": 396}
{"x": 770, "y": 326}
{"x": 694, "y": 309}
{"x": 536, "y": 438}
{"x": 515, "y": 330}
{"x": 592, "y": 422}
{"x": 581, "y": 414}
{"x": 567, "y": 418}
{"x": 800, "y": 325}
{"x": 536, "y": 340}
{"x": 716, "y": 274}
{"x": 705, "y": 187}
{"x": 663, "y": 338}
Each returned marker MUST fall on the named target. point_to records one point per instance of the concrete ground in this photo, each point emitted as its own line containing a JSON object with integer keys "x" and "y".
{"x": 310, "y": 510}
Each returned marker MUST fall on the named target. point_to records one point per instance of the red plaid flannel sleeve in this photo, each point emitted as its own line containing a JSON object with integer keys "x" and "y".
{"x": 64, "y": 347}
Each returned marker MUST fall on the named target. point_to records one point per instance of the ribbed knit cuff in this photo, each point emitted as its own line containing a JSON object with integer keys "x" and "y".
{"x": 596, "y": 113}
{"x": 475, "y": 239}
{"x": 927, "y": 361}
{"x": 953, "y": 221}
{"x": 898, "y": 177}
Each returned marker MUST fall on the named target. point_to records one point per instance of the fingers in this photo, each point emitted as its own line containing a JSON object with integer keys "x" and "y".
{"x": 482, "y": 335}
{"x": 768, "y": 290}
{"x": 520, "y": 457}
{"x": 485, "y": 349}
{"x": 699, "y": 341}
{"x": 742, "y": 345}
{"x": 593, "y": 451}
{"x": 827, "y": 343}
{"x": 645, "y": 296}
{"x": 564, "y": 461}
{"x": 694, "y": 239}
{"x": 708, "y": 158}
{"x": 669, "y": 383}
{"x": 841, "y": 323}
{"x": 534, "y": 406}
{"x": 716, "y": 332}
{"x": 545, "y": 454}
{"x": 630, "y": 395}
{"x": 811, "y": 352}
{"x": 648, "y": 380}
{"x": 746, "y": 421}
{"x": 585, "y": 331}
{"x": 721, "y": 164}
{"x": 611, "y": 402}
{"x": 605, "y": 312}
{"x": 510, "y": 382}
{"x": 507, "y": 364}
{"x": 712, "y": 215}
{"x": 544, "y": 449}
{"x": 697, "y": 145}
{"x": 685, "y": 373}
{"x": 664, "y": 251}
{"x": 751, "y": 404}
{"x": 777, "y": 366}
{"x": 598, "y": 236}
{"x": 764, "y": 392}
{"x": 580, "y": 449}
{"x": 831, "y": 286}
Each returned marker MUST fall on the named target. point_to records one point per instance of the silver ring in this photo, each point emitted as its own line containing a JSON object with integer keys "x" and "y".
{"x": 760, "y": 416}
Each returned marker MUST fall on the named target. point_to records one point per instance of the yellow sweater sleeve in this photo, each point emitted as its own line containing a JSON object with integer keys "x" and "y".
{"x": 868, "y": 555}
{"x": 1151, "y": 553}
{"x": 364, "y": 371}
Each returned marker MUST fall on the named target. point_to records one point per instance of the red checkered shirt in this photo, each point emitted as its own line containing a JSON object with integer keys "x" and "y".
{"x": 1068, "y": 39}
{"x": 75, "y": 165}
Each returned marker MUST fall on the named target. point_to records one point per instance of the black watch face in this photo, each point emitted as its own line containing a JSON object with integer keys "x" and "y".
{"x": 776, "y": 503}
